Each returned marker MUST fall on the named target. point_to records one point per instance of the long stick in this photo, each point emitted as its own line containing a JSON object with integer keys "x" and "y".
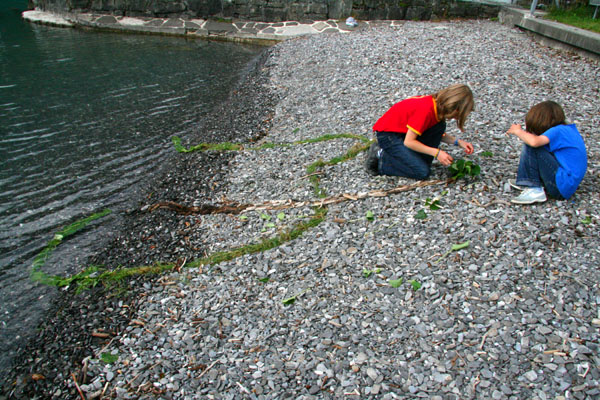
{"x": 77, "y": 386}
{"x": 236, "y": 208}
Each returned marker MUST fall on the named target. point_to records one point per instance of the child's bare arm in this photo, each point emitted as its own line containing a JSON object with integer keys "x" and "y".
{"x": 466, "y": 146}
{"x": 410, "y": 141}
{"x": 528, "y": 138}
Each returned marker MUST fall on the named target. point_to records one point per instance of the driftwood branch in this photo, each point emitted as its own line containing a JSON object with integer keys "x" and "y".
{"x": 236, "y": 208}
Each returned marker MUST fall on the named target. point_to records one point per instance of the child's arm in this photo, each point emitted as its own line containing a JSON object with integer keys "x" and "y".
{"x": 410, "y": 141}
{"x": 466, "y": 146}
{"x": 529, "y": 138}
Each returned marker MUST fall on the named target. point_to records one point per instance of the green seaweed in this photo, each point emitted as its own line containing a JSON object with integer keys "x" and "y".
{"x": 37, "y": 275}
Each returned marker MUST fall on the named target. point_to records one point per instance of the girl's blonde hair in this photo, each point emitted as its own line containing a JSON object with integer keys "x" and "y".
{"x": 456, "y": 98}
{"x": 544, "y": 116}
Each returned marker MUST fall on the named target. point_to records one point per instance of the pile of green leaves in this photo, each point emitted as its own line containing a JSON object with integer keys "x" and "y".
{"x": 462, "y": 168}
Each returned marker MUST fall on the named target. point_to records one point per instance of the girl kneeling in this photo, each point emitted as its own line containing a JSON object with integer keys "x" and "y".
{"x": 410, "y": 132}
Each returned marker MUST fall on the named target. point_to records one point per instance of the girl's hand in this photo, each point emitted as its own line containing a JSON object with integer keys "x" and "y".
{"x": 444, "y": 158}
{"x": 514, "y": 129}
{"x": 468, "y": 147}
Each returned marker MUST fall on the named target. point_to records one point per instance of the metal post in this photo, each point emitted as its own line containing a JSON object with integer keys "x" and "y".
{"x": 597, "y": 4}
{"x": 533, "y": 7}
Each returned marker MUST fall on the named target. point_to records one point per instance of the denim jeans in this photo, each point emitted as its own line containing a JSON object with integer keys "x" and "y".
{"x": 537, "y": 167}
{"x": 398, "y": 160}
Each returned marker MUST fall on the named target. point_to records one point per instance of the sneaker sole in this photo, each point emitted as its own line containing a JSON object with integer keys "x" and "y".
{"x": 515, "y": 201}
{"x": 371, "y": 160}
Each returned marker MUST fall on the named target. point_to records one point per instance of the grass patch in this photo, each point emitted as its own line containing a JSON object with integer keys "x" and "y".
{"x": 580, "y": 17}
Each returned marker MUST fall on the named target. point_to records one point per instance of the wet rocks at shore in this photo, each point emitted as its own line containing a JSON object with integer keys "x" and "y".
{"x": 513, "y": 314}
{"x": 77, "y": 323}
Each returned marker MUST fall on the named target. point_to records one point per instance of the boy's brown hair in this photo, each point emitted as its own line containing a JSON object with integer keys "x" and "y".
{"x": 544, "y": 116}
{"x": 456, "y": 98}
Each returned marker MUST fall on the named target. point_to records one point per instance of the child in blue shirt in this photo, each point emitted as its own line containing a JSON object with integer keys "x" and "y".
{"x": 553, "y": 157}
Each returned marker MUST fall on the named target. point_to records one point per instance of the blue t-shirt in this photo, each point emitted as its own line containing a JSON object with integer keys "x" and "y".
{"x": 569, "y": 150}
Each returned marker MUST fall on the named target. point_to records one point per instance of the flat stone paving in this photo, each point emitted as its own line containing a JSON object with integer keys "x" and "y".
{"x": 238, "y": 30}
{"x": 271, "y": 32}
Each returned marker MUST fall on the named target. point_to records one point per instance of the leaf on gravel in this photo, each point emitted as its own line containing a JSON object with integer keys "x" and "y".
{"x": 421, "y": 215}
{"x": 460, "y": 246}
{"x": 289, "y": 300}
{"x": 395, "y": 283}
{"x": 109, "y": 358}
{"x": 416, "y": 285}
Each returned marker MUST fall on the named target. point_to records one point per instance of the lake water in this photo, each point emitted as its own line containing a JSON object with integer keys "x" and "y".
{"x": 85, "y": 117}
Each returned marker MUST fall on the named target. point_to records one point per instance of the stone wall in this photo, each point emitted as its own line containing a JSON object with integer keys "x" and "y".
{"x": 279, "y": 10}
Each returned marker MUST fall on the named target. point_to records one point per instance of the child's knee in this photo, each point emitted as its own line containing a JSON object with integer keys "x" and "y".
{"x": 422, "y": 176}
{"x": 420, "y": 173}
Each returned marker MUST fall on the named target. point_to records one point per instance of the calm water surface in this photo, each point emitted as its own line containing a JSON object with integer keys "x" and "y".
{"x": 84, "y": 118}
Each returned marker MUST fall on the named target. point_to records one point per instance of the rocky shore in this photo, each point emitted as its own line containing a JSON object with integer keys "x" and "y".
{"x": 370, "y": 301}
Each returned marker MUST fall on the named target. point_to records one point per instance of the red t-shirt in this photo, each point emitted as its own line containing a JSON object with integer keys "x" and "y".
{"x": 417, "y": 113}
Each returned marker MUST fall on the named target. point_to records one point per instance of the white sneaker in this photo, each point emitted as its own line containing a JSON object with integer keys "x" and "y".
{"x": 530, "y": 196}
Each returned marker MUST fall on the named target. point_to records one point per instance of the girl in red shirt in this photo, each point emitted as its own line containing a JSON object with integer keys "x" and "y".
{"x": 410, "y": 132}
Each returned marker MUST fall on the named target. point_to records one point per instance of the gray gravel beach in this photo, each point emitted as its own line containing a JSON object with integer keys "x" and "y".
{"x": 513, "y": 314}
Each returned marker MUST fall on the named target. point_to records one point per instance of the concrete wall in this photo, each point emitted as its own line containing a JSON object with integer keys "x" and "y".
{"x": 278, "y": 10}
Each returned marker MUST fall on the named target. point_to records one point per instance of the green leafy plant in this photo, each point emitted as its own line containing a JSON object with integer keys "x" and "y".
{"x": 281, "y": 216}
{"x": 587, "y": 220}
{"x": 461, "y": 168}
{"x": 487, "y": 154}
{"x": 264, "y": 280}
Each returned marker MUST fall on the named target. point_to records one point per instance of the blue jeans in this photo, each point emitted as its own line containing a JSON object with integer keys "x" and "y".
{"x": 398, "y": 160}
{"x": 537, "y": 168}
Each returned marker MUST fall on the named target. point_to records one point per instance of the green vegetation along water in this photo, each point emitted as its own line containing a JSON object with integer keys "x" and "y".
{"x": 86, "y": 118}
